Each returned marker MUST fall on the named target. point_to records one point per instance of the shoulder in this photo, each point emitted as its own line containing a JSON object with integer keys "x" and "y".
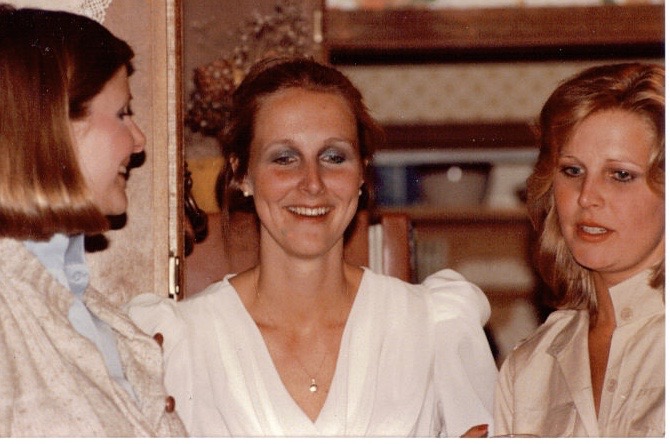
{"x": 453, "y": 296}
{"x": 157, "y": 314}
{"x": 443, "y": 295}
{"x": 213, "y": 298}
{"x": 560, "y": 326}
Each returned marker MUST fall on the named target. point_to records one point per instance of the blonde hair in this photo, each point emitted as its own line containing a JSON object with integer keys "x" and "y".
{"x": 634, "y": 87}
{"x": 52, "y": 64}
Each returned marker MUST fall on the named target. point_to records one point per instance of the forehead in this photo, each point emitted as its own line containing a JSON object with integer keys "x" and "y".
{"x": 291, "y": 96}
{"x": 613, "y": 132}
{"x": 116, "y": 89}
{"x": 301, "y": 111}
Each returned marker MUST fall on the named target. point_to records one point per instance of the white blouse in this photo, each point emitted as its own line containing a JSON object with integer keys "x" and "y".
{"x": 545, "y": 383}
{"x": 413, "y": 361}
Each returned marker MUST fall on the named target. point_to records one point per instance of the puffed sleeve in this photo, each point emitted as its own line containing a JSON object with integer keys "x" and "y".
{"x": 458, "y": 295}
{"x": 155, "y": 314}
{"x": 465, "y": 371}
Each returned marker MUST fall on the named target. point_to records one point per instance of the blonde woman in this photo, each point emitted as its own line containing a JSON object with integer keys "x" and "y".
{"x": 597, "y": 198}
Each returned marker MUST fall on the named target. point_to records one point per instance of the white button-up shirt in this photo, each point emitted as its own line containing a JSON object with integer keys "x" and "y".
{"x": 544, "y": 386}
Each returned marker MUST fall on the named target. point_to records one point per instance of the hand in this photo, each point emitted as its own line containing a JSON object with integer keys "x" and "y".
{"x": 478, "y": 431}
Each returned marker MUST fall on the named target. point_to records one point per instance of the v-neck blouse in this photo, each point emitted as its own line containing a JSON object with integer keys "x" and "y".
{"x": 413, "y": 361}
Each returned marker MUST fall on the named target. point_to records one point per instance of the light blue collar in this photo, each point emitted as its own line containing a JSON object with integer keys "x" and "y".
{"x": 63, "y": 256}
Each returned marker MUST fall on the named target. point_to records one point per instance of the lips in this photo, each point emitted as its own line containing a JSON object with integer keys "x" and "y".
{"x": 593, "y": 230}
{"x": 309, "y": 211}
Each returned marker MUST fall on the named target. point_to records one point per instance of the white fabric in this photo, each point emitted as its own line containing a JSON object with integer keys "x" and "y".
{"x": 414, "y": 361}
{"x": 94, "y": 9}
{"x": 545, "y": 383}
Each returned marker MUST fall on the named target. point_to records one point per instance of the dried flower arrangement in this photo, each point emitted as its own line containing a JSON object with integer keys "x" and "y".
{"x": 285, "y": 31}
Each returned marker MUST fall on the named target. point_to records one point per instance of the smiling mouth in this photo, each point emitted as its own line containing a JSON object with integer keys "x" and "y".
{"x": 310, "y": 212}
{"x": 593, "y": 230}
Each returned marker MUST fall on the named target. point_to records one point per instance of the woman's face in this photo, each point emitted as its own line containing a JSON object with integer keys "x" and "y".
{"x": 305, "y": 170}
{"x": 105, "y": 139}
{"x": 611, "y": 219}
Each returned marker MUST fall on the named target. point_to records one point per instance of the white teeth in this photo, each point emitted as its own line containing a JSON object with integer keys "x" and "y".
{"x": 123, "y": 170}
{"x": 303, "y": 211}
{"x": 594, "y": 230}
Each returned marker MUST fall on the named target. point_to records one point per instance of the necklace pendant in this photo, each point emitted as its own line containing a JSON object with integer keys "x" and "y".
{"x": 313, "y": 387}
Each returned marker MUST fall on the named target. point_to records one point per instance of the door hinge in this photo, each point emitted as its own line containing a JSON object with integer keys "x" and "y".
{"x": 174, "y": 290}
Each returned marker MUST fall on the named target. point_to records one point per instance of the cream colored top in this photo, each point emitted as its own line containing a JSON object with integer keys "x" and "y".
{"x": 413, "y": 361}
{"x": 544, "y": 385}
{"x": 54, "y": 381}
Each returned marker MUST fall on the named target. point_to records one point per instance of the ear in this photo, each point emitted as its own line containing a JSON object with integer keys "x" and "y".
{"x": 246, "y": 187}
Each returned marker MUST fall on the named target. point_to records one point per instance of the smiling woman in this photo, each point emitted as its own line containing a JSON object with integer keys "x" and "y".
{"x": 105, "y": 139}
{"x": 305, "y": 343}
{"x": 66, "y": 142}
{"x": 305, "y": 170}
{"x": 597, "y": 198}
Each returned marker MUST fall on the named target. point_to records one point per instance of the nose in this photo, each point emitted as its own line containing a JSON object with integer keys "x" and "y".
{"x": 590, "y": 193}
{"x": 139, "y": 139}
{"x": 312, "y": 180}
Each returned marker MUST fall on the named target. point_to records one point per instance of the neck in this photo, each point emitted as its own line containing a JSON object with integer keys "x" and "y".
{"x": 605, "y": 315}
{"x": 302, "y": 298}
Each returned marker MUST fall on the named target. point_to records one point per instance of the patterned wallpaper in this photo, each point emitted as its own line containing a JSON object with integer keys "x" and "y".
{"x": 459, "y": 92}
{"x": 481, "y": 92}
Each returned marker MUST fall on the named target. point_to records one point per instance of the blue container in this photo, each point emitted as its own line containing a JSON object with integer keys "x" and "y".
{"x": 397, "y": 185}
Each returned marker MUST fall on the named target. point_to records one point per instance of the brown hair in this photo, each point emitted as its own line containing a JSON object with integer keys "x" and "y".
{"x": 52, "y": 64}
{"x": 266, "y": 78}
{"x": 634, "y": 87}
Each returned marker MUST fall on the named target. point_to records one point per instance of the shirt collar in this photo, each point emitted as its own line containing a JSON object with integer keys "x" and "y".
{"x": 634, "y": 299}
{"x": 63, "y": 257}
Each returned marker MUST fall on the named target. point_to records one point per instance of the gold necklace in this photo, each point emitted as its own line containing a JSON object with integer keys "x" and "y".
{"x": 313, "y": 386}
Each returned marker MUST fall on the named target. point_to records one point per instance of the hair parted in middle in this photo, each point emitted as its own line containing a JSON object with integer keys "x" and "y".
{"x": 273, "y": 75}
{"x": 638, "y": 88}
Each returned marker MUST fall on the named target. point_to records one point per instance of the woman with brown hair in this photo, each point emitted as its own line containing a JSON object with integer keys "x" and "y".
{"x": 597, "y": 198}
{"x": 72, "y": 364}
{"x": 304, "y": 343}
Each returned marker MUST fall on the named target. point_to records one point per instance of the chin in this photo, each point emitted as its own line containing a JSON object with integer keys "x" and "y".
{"x": 114, "y": 209}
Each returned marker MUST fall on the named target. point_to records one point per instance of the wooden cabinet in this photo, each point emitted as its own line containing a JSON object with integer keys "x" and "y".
{"x": 456, "y": 34}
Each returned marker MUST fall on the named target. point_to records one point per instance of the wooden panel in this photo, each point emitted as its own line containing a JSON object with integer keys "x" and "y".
{"x": 495, "y": 33}
{"x": 460, "y": 135}
{"x": 397, "y": 257}
{"x": 136, "y": 257}
{"x": 474, "y": 214}
{"x": 460, "y": 241}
